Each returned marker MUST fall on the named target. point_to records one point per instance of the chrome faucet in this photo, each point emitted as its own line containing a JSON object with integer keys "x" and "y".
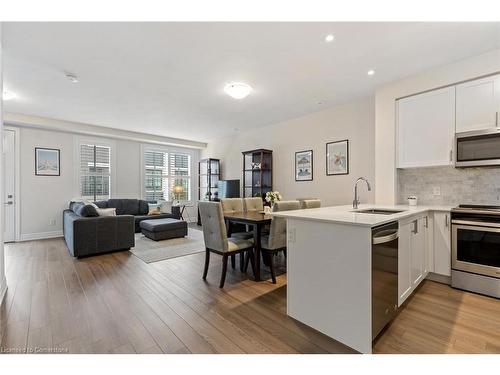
{"x": 355, "y": 202}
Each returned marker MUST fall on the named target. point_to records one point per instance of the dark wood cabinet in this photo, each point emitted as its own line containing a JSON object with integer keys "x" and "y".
{"x": 257, "y": 173}
{"x": 208, "y": 180}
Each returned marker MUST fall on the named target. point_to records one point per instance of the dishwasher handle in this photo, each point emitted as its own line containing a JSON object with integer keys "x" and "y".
{"x": 385, "y": 236}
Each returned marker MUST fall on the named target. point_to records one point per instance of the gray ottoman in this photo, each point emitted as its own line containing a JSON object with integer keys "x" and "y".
{"x": 164, "y": 229}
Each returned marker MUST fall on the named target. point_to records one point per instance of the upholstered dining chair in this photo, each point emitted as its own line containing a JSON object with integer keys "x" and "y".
{"x": 310, "y": 203}
{"x": 253, "y": 204}
{"x": 232, "y": 205}
{"x": 216, "y": 240}
{"x": 276, "y": 240}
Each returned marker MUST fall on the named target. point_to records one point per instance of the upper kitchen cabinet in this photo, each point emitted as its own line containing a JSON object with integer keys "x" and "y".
{"x": 426, "y": 128}
{"x": 478, "y": 104}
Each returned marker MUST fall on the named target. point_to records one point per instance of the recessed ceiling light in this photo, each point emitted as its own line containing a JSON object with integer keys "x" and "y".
{"x": 329, "y": 38}
{"x": 8, "y": 95}
{"x": 371, "y": 72}
{"x": 71, "y": 77}
{"x": 237, "y": 90}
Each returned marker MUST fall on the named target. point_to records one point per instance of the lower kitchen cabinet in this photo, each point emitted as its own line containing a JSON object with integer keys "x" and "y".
{"x": 442, "y": 243}
{"x": 404, "y": 268}
{"x": 413, "y": 253}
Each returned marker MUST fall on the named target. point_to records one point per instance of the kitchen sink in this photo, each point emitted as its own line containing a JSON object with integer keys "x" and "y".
{"x": 378, "y": 211}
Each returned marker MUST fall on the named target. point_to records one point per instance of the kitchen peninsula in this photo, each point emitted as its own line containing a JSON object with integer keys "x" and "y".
{"x": 342, "y": 275}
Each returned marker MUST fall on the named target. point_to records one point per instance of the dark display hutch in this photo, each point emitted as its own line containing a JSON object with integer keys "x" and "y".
{"x": 257, "y": 173}
{"x": 208, "y": 180}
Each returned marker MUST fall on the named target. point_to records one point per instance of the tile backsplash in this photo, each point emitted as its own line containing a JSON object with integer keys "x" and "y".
{"x": 449, "y": 185}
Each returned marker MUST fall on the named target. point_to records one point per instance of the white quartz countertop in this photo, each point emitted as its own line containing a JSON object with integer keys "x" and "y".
{"x": 347, "y": 215}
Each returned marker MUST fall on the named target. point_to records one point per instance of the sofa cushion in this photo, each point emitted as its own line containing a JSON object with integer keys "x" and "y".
{"x": 83, "y": 210}
{"x": 101, "y": 204}
{"x": 124, "y": 206}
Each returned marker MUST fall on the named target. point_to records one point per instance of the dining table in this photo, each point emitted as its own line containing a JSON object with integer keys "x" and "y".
{"x": 257, "y": 220}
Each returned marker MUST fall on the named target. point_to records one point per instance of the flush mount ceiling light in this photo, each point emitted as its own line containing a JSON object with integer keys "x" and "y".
{"x": 329, "y": 38}
{"x": 237, "y": 90}
{"x": 71, "y": 77}
{"x": 371, "y": 72}
{"x": 8, "y": 95}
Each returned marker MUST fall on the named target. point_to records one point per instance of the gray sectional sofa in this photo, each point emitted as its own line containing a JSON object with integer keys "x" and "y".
{"x": 86, "y": 233}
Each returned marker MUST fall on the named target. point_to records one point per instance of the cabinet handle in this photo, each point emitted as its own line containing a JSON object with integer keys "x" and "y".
{"x": 426, "y": 222}
{"x": 451, "y": 155}
{"x": 415, "y": 227}
{"x": 446, "y": 221}
{"x": 496, "y": 119}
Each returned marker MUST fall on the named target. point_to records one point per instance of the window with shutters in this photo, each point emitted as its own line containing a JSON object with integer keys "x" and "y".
{"x": 167, "y": 175}
{"x": 156, "y": 175}
{"x": 95, "y": 171}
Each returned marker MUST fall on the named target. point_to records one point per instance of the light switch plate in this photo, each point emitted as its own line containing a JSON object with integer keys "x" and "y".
{"x": 291, "y": 235}
{"x": 436, "y": 190}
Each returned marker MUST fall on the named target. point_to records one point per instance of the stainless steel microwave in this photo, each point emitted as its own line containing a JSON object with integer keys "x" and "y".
{"x": 477, "y": 148}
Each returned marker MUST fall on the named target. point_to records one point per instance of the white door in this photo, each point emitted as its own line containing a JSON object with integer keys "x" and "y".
{"x": 426, "y": 128}
{"x": 9, "y": 199}
{"x": 478, "y": 104}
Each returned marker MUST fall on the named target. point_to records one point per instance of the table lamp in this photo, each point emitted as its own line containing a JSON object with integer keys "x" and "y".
{"x": 178, "y": 189}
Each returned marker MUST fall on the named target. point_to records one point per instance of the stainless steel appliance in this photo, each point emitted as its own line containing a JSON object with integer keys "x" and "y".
{"x": 477, "y": 148}
{"x": 384, "y": 275}
{"x": 475, "y": 241}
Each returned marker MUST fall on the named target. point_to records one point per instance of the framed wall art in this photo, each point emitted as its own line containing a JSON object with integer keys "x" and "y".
{"x": 337, "y": 158}
{"x": 304, "y": 165}
{"x": 47, "y": 162}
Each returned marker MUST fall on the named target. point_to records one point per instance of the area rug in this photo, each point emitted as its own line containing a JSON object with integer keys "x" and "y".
{"x": 151, "y": 251}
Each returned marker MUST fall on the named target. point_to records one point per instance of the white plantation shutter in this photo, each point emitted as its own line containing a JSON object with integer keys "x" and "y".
{"x": 95, "y": 172}
{"x": 164, "y": 170}
{"x": 180, "y": 172}
{"x": 156, "y": 175}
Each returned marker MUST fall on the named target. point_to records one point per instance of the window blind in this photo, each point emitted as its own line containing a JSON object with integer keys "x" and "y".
{"x": 95, "y": 172}
{"x": 156, "y": 175}
{"x": 165, "y": 170}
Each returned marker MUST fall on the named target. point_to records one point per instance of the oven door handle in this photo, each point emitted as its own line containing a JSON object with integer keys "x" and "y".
{"x": 476, "y": 223}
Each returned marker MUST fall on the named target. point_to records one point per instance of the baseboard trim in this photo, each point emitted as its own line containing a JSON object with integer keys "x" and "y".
{"x": 3, "y": 289}
{"x": 439, "y": 278}
{"x": 40, "y": 235}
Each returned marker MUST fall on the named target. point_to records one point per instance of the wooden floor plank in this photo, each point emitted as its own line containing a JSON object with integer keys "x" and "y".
{"x": 116, "y": 303}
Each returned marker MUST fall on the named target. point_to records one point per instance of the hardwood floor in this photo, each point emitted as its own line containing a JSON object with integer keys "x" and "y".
{"x": 116, "y": 303}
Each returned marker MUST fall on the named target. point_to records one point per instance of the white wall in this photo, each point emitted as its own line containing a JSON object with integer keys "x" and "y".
{"x": 353, "y": 121}
{"x": 3, "y": 283}
{"x": 385, "y": 112}
{"x": 43, "y": 198}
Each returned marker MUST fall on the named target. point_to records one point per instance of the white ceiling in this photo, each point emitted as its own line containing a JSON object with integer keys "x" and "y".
{"x": 168, "y": 78}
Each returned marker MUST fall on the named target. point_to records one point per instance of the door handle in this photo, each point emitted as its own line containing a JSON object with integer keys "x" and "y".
{"x": 9, "y": 203}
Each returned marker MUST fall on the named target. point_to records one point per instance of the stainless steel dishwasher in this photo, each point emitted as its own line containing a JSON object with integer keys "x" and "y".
{"x": 384, "y": 275}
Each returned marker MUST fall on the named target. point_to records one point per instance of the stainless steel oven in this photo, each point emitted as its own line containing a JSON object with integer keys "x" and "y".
{"x": 475, "y": 238}
{"x": 478, "y": 148}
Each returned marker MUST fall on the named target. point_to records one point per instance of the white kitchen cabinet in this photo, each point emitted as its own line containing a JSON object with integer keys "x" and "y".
{"x": 429, "y": 236}
{"x": 413, "y": 250}
{"x": 426, "y": 128}
{"x": 478, "y": 104}
{"x": 418, "y": 249}
{"x": 404, "y": 263}
{"x": 442, "y": 243}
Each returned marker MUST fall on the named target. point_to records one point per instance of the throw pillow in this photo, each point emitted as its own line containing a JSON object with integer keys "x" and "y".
{"x": 106, "y": 211}
{"x": 84, "y": 210}
{"x": 154, "y": 211}
{"x": 166, "y": 207}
